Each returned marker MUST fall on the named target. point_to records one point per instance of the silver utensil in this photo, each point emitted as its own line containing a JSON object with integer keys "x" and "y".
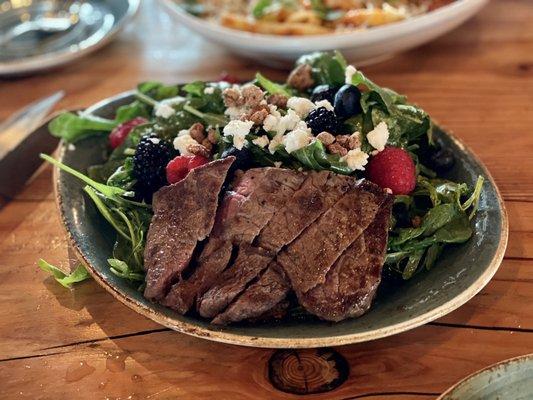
{"x": 22, "y": 138}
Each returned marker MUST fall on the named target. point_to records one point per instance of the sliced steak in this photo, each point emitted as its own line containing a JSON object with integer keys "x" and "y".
{"x": 255, "y": 198}
{"x": 249, "y": 263}
{"x": 316, "y": 195}
{"x": 184, "y": 214}
{"x": 352, "y": 281}
{"x": 308, "y": 259}
{"x": 259, "y": 298}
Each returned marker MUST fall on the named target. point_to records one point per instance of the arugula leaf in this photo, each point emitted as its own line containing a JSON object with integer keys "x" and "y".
{"x": 123, "y": 176}
{"x": 260, "y": 8}
{"x": 328, "y": 68}
{"x": 195, "y": 88}
{"x": 121, "y": 269}
{"x": 157, "y": 90}
{"x": 214, "y": 120}
{"x": 412, "y": 264}
{"x": 129, "y": 111}
{"x": 271, "y": 87}
{"x": 71, "y": 127}
{"x": 67, "y": 280}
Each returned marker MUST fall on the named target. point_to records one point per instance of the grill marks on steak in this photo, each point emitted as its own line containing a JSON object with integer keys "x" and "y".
{"x": 308, "y": 259}
{"x": 352, "y": 281}
{"x": 255, "y": 198}
{"x": 184, "y": 214}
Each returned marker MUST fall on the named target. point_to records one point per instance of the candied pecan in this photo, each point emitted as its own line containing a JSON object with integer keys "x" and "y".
{"x": 252, "y": 95}
{"x": 257, "y": 115}
{"x": 336, "y": 148}
{"x": 233, "y": 97}
{"x": 301, "y": 77}
{"x": 198, "y": 150}
{"x": 343, "y": 140}
{"x": 197, "y": 132}
{"x": 277, "y": 100}
{"x": 212, "y": 136}
{"x": 207, "y": 144}
{"x": 326, "y": 138}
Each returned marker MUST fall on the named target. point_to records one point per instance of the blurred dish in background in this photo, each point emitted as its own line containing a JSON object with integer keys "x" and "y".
{"x": 36, "y": 34}
{"x": 361, "y": 46}
{"x": 510, "y": 380}
{"x": 307, "y": 17}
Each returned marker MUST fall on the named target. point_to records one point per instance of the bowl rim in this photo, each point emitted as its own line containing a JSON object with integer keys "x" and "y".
{"x": 64, "y": 56}
{"x": 218, "y": 334}
{"x": 448, "y": 392}
{"x": 340, "y": 39}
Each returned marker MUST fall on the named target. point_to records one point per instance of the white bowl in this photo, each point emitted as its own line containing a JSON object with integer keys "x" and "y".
{"x": 360, "y": 47}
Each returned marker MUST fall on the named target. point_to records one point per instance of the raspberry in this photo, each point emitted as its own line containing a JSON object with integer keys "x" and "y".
{"x": 393, "y": 168}
{"x": 322, "y": 120}
{"x": 121, "y": 132}
{"x": 179, "y": 167}
{"x": 151, "y": 157}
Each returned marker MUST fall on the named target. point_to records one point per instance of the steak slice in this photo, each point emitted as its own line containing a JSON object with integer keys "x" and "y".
{"x": 259, "y": 298}
{"x": 307, "y": 260}
{"x": 317, "y": 194}
{"x": 249, "y": 263}
{"x": 352, "y": 282}
{"x": 256, "y": 196}
{"x": 184, "y": 214}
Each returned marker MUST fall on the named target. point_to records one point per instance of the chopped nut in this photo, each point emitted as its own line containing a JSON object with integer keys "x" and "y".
{"x": 343, "y": 140}
{"x": 233, "y": 97}
{"x": 355, "y": 141}
{"x": 212, "y": 136}
{"x": 207, "y": 144}
{"x": 301, "y": 77}
{"x": 277, "y": 100}
{"x": 198, "y": 150}
{"x": 197, "y": 132}
{"x": 252, "y": 95}
{"x": 336, "y": 148}
{"x": 326, "y": 138}
{"x": 257, "y": 115}
{"x": 416, "y": 221}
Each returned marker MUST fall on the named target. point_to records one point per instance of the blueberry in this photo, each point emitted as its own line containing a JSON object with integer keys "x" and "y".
{"x": 243, "y": 158}
{"x": 324, "y": 92}
{"x": 441, "y": 160}
{"x": 347, "y": 102}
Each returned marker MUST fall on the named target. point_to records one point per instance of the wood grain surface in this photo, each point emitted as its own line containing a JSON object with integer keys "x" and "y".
{"x": 82, "y": 344}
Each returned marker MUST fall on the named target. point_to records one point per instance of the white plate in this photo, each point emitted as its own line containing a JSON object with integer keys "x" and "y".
{"x": 361, "y": 47}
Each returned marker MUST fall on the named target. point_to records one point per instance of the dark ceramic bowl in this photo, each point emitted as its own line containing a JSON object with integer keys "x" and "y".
{"x": 455, "y": 279}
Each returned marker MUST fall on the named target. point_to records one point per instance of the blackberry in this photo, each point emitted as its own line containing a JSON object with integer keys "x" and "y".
{"x": 322, "y": 120}
{"x": 324, "y": 92}
{"x": 151, "y": 157}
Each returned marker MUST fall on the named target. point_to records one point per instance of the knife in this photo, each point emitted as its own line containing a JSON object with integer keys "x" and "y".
{"x": 22, "y": 137}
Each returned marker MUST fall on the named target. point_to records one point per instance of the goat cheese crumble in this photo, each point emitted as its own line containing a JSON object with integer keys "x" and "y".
{"x": 261, "y": 141}
{"x": 356, "y": 159}
{"x": 182, "y": 142}
{"x": 326, "y": 104}
{"x": 301, "y": 106}
{"x": 296, "y": 139}
{"x": 349, "y": 72}
{"x": 209, "y": 90}
{"x": 238, "y": 130}
{"x": 378, "y": 136}
{"x": 164, "y": 110}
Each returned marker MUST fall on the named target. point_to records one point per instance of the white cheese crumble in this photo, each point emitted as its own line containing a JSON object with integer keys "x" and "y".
{"x": 209, "y": 90}
{"x": 278, "y": 124}
{"x": 326, "y": 104}
{"x": 183, "y": 132}
{"x": 238, "y": 129}
{"x": 234, "y": 112}
{"x": 296, "y": 139}
{"x": 182, "y": 141}
{"x": 378, "y": 136}
{"x": 261, "y": 141}
{"x": 349, "y": 72}
{"x": 301, "y": 105}
{"x": 154, "y": 140}
{"x": 164, "y": 110}
{"x": 356, "y": 159}
{"x": 274, "y": 143}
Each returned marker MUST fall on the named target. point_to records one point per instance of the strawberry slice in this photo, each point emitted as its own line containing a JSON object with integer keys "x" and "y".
{"x": 121, "y": 132}
{"x": 179, "y": 167}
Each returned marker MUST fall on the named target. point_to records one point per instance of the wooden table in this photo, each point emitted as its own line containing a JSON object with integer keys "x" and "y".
{"x": 82, "y": 344}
